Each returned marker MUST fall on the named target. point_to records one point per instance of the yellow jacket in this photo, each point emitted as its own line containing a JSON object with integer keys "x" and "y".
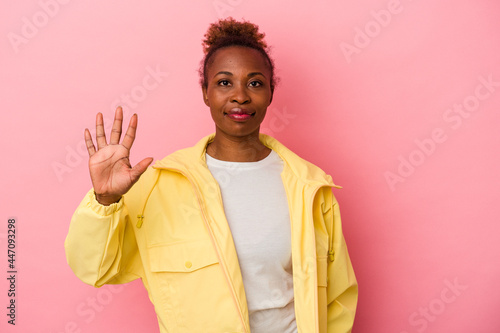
{"x": 170, "y": 230}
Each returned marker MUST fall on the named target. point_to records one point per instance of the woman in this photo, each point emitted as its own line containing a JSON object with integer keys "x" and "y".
{"x": 235, "y": 234}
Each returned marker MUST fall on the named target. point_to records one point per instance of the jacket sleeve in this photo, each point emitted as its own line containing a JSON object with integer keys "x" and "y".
{"x": 342, "y": 287}
{"x": 100, "y": 245}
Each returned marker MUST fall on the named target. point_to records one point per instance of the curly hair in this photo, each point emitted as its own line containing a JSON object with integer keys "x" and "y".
{"x": 229, "y": 32}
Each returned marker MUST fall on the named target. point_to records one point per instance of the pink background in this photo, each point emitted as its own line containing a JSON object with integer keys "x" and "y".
{"x": 370, "y": 91}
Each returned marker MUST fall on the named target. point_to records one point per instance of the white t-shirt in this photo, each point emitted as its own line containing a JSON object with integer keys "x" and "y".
{"x": 256, "y": 208}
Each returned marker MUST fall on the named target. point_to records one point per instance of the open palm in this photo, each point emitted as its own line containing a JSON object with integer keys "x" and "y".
{"x": 110, "y": 169}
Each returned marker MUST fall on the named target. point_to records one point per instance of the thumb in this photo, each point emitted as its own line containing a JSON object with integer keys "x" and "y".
{"x": 140, "y": 168}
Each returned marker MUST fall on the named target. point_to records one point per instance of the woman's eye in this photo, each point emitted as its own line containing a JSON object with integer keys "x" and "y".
{"x": 223, "y": 83}
{"x": 255, "y": 84}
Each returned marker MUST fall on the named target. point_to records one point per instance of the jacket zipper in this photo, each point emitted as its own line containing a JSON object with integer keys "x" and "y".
{"x": 316, "y": 311}
{"x": 316, "y": 297}
{"x": 331, "y": 253}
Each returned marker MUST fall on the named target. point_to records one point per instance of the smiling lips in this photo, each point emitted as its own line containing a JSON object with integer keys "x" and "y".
{"x": 239, "y": 114}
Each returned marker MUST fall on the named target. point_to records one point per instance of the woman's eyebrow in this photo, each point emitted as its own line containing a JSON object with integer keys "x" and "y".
{"x": 231, "y": 74}
{"x": 254, "y": 74}
{"x": 223, "y": 72}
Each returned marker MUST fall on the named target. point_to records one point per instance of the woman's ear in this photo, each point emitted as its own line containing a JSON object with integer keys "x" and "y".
{"x": 205, "y": 96}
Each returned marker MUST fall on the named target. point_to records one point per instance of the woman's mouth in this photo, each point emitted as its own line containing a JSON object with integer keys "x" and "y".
{"x": 238, "y": 114}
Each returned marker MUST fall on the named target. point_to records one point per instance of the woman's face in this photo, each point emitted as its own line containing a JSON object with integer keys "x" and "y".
{"x": 238, "y": 90}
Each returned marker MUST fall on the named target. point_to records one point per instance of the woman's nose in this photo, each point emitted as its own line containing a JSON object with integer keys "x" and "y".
{"x": 240, "y": 94}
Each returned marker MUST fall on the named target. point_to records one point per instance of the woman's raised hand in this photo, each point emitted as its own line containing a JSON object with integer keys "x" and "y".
{"x": 110, "y": 170}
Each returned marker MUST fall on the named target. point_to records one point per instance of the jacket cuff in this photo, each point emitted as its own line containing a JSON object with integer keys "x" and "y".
{"x": 100, "y": 209}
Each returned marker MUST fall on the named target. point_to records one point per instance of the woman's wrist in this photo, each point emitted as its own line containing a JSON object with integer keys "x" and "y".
{"x": 107, "y": 200}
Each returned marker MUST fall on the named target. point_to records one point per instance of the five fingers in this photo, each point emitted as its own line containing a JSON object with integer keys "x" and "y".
{"x": 116, "y": 132}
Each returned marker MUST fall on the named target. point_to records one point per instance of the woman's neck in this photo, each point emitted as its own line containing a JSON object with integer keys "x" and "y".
{"x": 237, "y": 149}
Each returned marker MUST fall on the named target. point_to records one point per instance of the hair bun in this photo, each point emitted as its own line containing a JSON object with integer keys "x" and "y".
{"x": 231, "y": 29}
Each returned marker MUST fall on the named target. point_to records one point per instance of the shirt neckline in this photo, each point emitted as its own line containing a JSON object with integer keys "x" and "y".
{"x": 270, "y": 158}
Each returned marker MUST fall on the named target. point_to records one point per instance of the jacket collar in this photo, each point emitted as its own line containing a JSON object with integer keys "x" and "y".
{"x": 186, "y": 159}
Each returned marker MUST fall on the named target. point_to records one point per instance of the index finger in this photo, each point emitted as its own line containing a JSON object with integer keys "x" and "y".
{"x": 129, "y": 138}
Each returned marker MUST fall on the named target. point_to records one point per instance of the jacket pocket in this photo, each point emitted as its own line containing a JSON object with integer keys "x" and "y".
{"x": 189, "y": 290}
{"x": 182, "y": 257}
